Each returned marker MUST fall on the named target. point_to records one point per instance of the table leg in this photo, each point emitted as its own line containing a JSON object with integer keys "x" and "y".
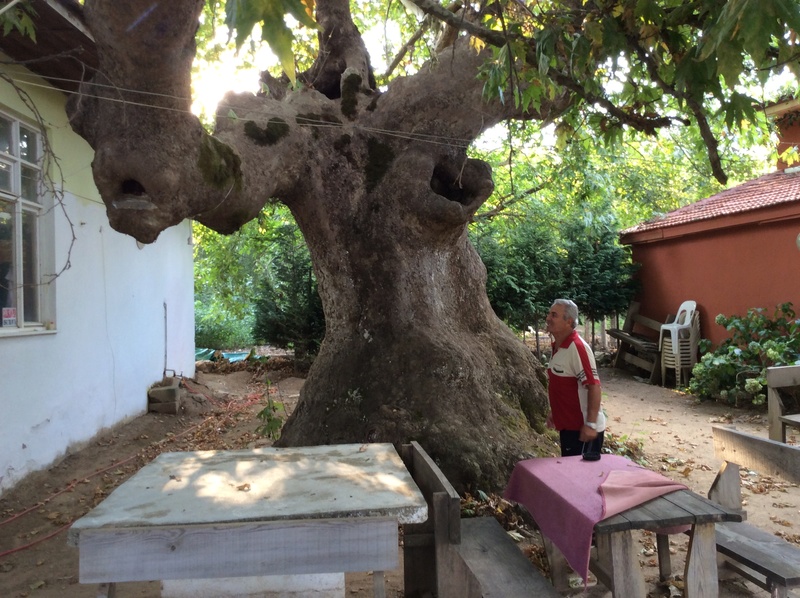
{"x": 626, "y": 574}
{"x": 559, "y": 569}
{"x": 701, "y": 563}
{"x": 664, "y": 558}
{"x": 379, "y": 584}
{"x": 107, "y": 590}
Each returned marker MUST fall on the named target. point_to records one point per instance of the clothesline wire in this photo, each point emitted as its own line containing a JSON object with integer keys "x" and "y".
{"x": 306, "y": 121}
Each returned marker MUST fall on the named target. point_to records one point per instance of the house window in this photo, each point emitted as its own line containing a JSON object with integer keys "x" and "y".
{"x": 21, "y": 210}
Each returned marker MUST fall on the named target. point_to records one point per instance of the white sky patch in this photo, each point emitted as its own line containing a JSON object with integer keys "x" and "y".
{"x": 376, "y": 39}
{"x": 215, "y": 79}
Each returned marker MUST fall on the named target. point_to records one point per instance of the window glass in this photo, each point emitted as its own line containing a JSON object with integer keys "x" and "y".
{"x": 6, "y": 132}
{"x": 30, "y": 183}
{"x": 6, "y": 254}
{"x": 30, "y": 265}
{"x": 6, "y": 171}
{"x": 28, "y": 145}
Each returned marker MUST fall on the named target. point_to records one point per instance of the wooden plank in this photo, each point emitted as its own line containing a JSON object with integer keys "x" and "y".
{"x": 419, "y": 553}
{"x": 649, "y": 323}
{"x": 761, "y": 551}
{"x": 727, "y": 565}
{"x": 107, "y": 590}
{"x": 782, "y": 376}
{"x": 642, "y": 344}
{"x": 499, "y": 566}
{"x": 626, "y": 574}
{"x": 600, "y": 560}
{"x": 726, "y": 489}
{"x": 378, "y": 584}
{"x": 777, "y": 431}
{"x": 676, "y": 508}
{"x": 653, "y": 514}
{"x": 238, "y": 550}
{"x": 612, "y": 524}
{"x": 445, "y": 548}
{"x": 639, "y": 362}
{"x": 704, "y": 510}
{"x": 430, "y": 479}
{"x": 455, "y": 580}
{"x": 764, "y": 455}
{"x": 633, "y": 309}
{"x": 559, "y": 568}
{"x": 791, "y": 420}
{"x": 429, "y": 564}
{"x": 779, "y": 377}
{"x": 700, "y": 573}
{"x": 664, "y": 557}
{"x": 647, "y": 349}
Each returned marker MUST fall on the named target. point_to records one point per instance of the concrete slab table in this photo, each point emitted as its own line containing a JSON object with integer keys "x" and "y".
{"x": 261, "y": 512}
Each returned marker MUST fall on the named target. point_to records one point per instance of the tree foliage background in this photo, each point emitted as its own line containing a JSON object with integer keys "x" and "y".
{"x": 564, "y": 190}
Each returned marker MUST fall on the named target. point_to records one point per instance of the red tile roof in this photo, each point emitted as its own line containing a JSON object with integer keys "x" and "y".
{"x": 772, "y": 189}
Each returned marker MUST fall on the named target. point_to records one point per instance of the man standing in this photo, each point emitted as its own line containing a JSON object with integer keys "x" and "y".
{"x": 573, "y": 388}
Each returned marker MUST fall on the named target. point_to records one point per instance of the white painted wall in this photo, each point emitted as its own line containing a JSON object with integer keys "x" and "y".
{"x": 123, "y": 316}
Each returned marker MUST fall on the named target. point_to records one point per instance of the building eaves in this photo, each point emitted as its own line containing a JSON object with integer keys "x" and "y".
{"x": 64, "y": 51}
{"x": 770, "y": 190}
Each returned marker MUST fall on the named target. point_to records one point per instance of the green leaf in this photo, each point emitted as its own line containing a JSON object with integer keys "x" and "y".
{"x": 242, "y": 16}
{"x": 545, "y": 47}
{"x": 729, "y": 64}
{"x": 279, "y": 37}
{"x": 649, "y": 11}
{"x": 302, "y": 10}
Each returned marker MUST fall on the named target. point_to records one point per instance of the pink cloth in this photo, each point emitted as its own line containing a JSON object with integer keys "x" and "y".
{"x": 567, "y": 496}
{"x": 625, "y": 489}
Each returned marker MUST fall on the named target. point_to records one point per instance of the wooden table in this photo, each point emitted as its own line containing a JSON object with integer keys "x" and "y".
{"x": 563, "y": 496}
{"x": 226, "y": 514}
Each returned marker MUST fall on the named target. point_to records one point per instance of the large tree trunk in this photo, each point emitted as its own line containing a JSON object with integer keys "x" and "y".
{"x": 412, "y": 348}
{"x": 380, "y": 186}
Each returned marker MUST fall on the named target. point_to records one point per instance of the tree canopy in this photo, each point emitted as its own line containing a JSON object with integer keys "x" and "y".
{"x": 644, "y": 65}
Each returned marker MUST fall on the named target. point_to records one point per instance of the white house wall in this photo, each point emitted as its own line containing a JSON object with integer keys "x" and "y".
{"x": 124, "y": 315}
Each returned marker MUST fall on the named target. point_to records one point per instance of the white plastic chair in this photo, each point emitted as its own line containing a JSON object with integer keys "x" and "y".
{"x": 683, "y": 321}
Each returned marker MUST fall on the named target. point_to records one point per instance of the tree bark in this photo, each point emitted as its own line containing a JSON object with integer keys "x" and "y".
{"x": 382, "y": 189}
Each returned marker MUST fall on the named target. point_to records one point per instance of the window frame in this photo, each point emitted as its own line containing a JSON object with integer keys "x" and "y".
{"x": 27, "y": 219}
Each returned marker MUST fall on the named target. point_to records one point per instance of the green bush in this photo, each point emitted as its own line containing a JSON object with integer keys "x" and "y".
{"x": 216, "y": 329}
{"x": 736, "y": 371}
{"x": 288, "y": 309}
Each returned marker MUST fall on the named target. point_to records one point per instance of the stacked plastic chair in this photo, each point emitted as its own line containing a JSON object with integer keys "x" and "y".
{"x": 678, "y": 342}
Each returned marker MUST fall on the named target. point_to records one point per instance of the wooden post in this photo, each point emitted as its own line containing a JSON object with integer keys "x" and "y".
{"x": 701, "y": 563}
{"x": 626, "y": 574}
{"x": 779, "y": 377}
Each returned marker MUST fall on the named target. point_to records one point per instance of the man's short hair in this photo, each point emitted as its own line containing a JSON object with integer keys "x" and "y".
{"x": 570, "y": 310}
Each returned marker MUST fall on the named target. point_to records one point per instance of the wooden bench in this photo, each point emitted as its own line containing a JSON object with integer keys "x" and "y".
{"x": 757, "y": 555}
{"x": 638, "y": 348}
{"x": 460, "y": 558}
{"x": 787, "y": 376}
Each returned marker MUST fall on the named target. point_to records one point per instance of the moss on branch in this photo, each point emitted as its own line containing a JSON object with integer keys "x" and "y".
{"x": 379, "y": 158}
{"x": 220, "y": 166}
{"x": 276, "y": 129}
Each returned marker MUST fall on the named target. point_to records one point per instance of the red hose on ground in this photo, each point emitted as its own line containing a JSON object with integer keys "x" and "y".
{"x": 37, "y": 541}
{"x": 74, "y": 483}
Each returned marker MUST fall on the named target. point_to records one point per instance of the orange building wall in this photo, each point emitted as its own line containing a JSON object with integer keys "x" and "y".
{"x": 726, "y": 271}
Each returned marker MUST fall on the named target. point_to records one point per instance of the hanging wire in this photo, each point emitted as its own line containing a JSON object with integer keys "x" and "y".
{"x": 411, "y": 136}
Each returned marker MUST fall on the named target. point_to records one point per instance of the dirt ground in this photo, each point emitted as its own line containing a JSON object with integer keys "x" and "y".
{"x": 220, "y": 413}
